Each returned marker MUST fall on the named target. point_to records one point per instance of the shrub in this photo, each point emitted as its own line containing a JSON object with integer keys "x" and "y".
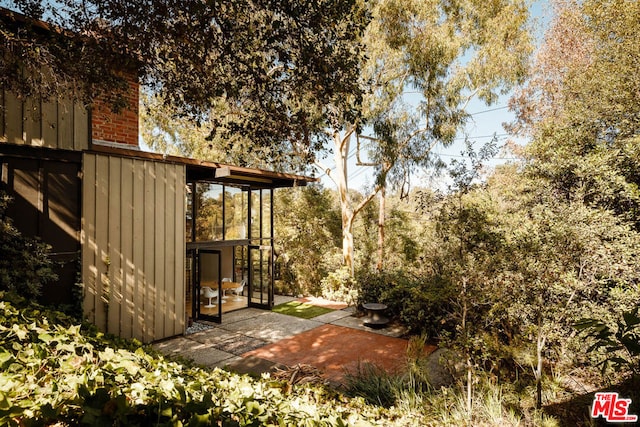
{"x": 373, "y": 384}
{"x": 52, "y": 372}
{"x": 421, "y": 404}
{"x": 421, "y": 304}
{"x": 340, "y": 286}
{"x": 25, "y": 266}
{"x": 621, "y": 344}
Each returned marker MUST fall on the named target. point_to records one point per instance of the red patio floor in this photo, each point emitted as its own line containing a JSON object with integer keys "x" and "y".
{"x": 336, "y": 349}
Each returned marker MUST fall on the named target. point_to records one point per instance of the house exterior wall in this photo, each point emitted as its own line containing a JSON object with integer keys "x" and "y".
{"x": 52, "y": 124}
{"x": 67, "y": 125}
{"x": 133, "y": 246}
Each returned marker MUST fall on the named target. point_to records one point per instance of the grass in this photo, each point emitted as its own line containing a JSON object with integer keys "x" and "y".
{"x": 300, "y": 309}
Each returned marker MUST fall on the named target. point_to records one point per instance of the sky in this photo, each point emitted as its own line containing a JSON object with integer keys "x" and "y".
{"x": 485, "y": 122}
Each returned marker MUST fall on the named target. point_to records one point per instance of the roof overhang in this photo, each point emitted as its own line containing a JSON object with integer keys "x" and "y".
{"x": 200, "y": 170}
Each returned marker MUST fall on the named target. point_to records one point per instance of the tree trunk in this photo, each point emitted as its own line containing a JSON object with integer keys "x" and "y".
{"x": 538, "y": 371}
{"x": 341, "y": 156}
{"x": 348, "y": 212}
{"x": 381, "y": 220}
{"x": 467, "y": 350}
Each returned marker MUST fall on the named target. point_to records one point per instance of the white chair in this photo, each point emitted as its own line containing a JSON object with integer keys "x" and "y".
{"x": 224, "y": 291}
{"x": 207, "y": 292}
{"x": 238, "y": 291}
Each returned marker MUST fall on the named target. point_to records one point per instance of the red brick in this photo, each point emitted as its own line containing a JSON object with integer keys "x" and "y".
{"x": 121, "y": 127}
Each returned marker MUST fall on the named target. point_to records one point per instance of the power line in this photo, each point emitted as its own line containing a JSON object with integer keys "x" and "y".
{"x": 497, "y": 135}
{"x": 504, "y": 107}
{"x": 489, "y": 110}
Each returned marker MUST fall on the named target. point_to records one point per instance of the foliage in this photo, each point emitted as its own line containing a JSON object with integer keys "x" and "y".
{"x": 403, "y": 388}
{"x": 621, "y": 346}
{"x": 445, "y": 53}
{"x": 275, "y": 72}
{"x": 339, "y": 285}
{"x": 56, "y": 371}
{"x": 578, "y": 196}
{"x": 374, "y": 384}
{"x": 163, "y": 131}
{"x": 422, "y": 304}
{"x": 507, "y": 267}
{"x": 25, "y": 266}
{"x": 421, "y": 404}
{"x": 580, "y": 105}
{"x": 308, "y": 228}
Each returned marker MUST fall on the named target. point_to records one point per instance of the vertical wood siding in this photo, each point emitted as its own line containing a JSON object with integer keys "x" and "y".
{"x": 133, "y": 246}
{"x": 52, "y": 124}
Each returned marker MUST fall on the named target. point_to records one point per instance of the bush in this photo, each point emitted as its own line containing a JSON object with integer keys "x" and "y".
{"x": 340, "y": 286}
{"x": 621, "y": 344}
{"x": 52, "y": 371}
{"x": 25, "y": 266}
{"x": 421, "y": 304}
{"x": 421, "y": 404}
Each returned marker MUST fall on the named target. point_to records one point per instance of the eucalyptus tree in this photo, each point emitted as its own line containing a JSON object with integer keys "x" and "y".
{"x": 307, "y": 223}
{"x": 447, "y": 52}
{"x": 581, "y": 108}
{"x": 281, "y": 70}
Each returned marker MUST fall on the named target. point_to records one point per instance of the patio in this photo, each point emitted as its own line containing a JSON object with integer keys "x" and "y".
{"x": 256, "y": 341}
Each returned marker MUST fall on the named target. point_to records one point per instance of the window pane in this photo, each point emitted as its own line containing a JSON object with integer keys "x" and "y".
{"x": 241, "y": 263}
{"x": 208, "y": 211}
{"x": 266, "y": 214}
{"x": 255, "y": 214}
{"x": 235, "y": 212}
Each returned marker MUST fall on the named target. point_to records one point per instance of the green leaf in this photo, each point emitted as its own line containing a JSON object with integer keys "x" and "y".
{"x": 583, "y": 324}
{"x": 631, "y": 318}
{"x": 45, "y": 337}
{"x": 5, "y": 404}
{"x": 5, "y": 359}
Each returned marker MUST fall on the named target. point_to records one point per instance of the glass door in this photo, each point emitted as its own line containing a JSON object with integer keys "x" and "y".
{"x": 208, "y": 284}
{"x": 260, "y": 276}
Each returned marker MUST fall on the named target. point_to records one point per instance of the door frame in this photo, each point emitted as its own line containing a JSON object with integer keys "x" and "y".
{"x": 268, "y": 304}
{"x": 196, "y": 285}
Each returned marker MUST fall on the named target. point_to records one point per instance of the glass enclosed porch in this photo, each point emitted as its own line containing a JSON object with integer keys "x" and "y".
{"x": 229, "y": 249}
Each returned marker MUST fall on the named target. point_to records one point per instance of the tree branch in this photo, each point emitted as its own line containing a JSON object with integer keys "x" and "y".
{"x": 358, "y": 161}
{"x": 351, "y": 128}
{"x": 324, "y": 169}
{"x": 366, "y": 200}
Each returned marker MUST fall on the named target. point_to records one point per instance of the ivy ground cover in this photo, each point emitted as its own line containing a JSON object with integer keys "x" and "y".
{"x": 52, "y": 371}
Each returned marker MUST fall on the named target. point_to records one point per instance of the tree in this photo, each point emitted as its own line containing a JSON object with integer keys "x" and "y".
{"x": 448, "y": 53}
{"x": 308, "y": 229}
{"x": 580, "y": 109}
{"x": 580, "y": 198}
{"x": 165, "y": 132}
{"x": 564, "y": 260}
{"x": 280, "y": 70}
{"x": 580, "y": 106}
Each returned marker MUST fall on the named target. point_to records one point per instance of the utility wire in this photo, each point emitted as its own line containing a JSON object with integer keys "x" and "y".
{"x": 497, "y": 135}
{"x": 489, "y": 110}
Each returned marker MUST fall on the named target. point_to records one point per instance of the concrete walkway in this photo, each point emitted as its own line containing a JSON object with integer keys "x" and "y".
{"x": 256, "y": 341}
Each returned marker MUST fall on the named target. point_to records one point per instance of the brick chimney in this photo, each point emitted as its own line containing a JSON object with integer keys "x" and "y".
{"x": 109, "y": 128}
